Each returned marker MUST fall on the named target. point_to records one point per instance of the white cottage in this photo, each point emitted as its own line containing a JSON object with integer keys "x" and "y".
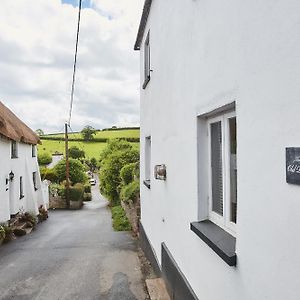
{"x": 21, "y": 188}
{"x": 220, "y": 147}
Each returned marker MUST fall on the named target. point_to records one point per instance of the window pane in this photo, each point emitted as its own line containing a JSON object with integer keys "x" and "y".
{"x": 148, "y": 158}
{"x": 233, "y": 170}
{"x": 216, "y": 167}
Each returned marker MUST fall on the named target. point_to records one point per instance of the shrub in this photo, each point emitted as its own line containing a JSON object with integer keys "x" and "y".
{"x": 44, "y": 158}
{"x": 87, "y": 188}
{"x": 76, "y": 171}
{"x": 76, "y": 153}
{"x": 43, "y": 214}
{"x": 57, "y": 190}
{"x": 127, "y": 173}
{"x": 110, "y": 172}
{"x": 130, "y": 191}
{"x": 48, "y": 174}
{"x": 2, "y": 233}
{"x": 19, "y": 231}
{"x": 120, "y": 221}
{"x": 9, "y": 234}
{"x": 87, "y": 197}
{"x": 76, "y": 192}
{"x": 112, "y": 146}
{"x": 29, "y": 217}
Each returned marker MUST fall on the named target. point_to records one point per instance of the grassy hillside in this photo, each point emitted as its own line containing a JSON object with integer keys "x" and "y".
{"x": 91, "y": 149}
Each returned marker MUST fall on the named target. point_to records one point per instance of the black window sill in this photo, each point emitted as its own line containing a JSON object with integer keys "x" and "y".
{"x": 14, "y": 157}
{"x": 220, "y": 241}
{"x": 35, "y": 189}
{"x": 21, "y": 197}
{"x": 147, "y": 183}
{"x": 146, "y": 82}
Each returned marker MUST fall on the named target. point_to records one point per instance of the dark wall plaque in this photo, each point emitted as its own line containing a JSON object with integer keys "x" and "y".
{"x": 293, "y": 165}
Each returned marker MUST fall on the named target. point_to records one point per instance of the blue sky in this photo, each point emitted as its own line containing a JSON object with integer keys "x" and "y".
{"x": 85, "y": 3}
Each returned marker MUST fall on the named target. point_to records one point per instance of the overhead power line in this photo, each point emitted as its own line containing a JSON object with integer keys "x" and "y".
{"x": 75, "y": 63}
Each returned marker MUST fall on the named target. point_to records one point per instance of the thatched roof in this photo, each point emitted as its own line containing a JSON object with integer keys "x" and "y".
{"x": 13, "y": 128}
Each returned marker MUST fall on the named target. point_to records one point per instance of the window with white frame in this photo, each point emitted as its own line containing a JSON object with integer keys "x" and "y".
{"x": 34, "y": 178}
{"x": 146, "y": 61}
{"x": 147, "y": 161}
{"x": 21, "y": 188}
{"x": 14, "y": 149}
{"x": 223, "y": 171}
{"x": 33, "y": 150}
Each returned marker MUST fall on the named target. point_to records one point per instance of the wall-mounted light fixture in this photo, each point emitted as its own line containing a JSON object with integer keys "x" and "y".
{"x": 160, "y": 172}
{"x": 11, "y": 176}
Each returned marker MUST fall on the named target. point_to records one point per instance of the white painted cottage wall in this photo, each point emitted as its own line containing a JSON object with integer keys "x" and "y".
{"x": 205, "y": 54}
{"x": 23, "y": 166}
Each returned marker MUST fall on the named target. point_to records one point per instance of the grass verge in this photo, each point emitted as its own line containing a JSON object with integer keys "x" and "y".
{"x": 120, "y": 221}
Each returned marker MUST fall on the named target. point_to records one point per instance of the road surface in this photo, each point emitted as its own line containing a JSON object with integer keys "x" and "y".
{"x": 73, "y": 255}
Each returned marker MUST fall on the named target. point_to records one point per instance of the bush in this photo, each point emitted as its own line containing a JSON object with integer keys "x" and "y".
{"x": 77, "y": 173}
{"x": 43, "y": 214}
{"x": 87, "y": 188}
{"x": 29, "y": 217}
{"x": 112, "y": 146}
{"x": 2, "y": 233}
{"x": 76, "y": 192}
{"x": 48, "y": 174}
{"x": 110, "y": 172}
{"x": 120, "y": 221}
{"x": 76, "y": 153}
{"x": 44, "y": 159}
{"x": 127, "y": 173}
{"x": 57, "y": 190}
{"x": 19, "y": 232}
{"x": 87, "y": 197}
{"x": 9, "y": 234}
{"x": 130, "y": 191}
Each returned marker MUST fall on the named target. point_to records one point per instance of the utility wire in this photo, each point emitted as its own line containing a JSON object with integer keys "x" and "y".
{"x": 75, "y": 63}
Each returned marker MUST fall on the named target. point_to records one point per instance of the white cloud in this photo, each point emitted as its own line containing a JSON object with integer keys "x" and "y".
{"x": 36, "y": 58}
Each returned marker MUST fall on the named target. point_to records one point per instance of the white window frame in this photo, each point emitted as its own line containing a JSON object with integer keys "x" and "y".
{"x": 148, "y": 158}
{"x": 222, "y": 221}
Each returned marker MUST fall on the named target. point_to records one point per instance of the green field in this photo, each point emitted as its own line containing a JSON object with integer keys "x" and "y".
{"x": 91, "y": 149}
{"x": 109, "y": 134}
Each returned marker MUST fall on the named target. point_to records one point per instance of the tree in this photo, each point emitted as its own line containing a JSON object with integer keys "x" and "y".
{"x": 76, "y": 153}
{"x": 88, "y": 133}
{"x": 39, "y": 132}
{"x": 77, "y": 173}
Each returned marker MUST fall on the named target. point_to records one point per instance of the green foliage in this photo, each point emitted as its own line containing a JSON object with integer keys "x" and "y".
{"x": 87, "y": 197}
{"x": 76, "y": 171}
{"x": 114, "y": 145}
{"x": 120, "y": 221}
{"x": 93, "y": 164}
{"x": 127, "y": 173}
{"x": 57, "y": 189}
{"x": 88, "y": 133}
{"x": 48, "y": 174}
{"x": 2, "y": 233}
{"x": 130, "y": 192}
{"x": 76, "y": 153}
{"x": 118, "y": 155}
{"x": 44, "y": 158}
{"x": 9, "y": 234}
{"x": 87, "y": 188}
{"x": 76, "y": 192}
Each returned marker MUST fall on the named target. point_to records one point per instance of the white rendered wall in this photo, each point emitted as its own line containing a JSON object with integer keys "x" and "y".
{"x": 23, "y": 166}
{"x": 205, "y": 54}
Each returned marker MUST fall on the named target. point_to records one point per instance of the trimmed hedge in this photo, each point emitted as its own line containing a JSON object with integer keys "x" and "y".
{"x": 76, "y": 192}
{"x": 130, "y": 192}
{"x": 97, "y": 140}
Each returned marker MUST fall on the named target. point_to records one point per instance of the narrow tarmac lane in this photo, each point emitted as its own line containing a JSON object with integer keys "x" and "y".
{"x": 73, "y": 255}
